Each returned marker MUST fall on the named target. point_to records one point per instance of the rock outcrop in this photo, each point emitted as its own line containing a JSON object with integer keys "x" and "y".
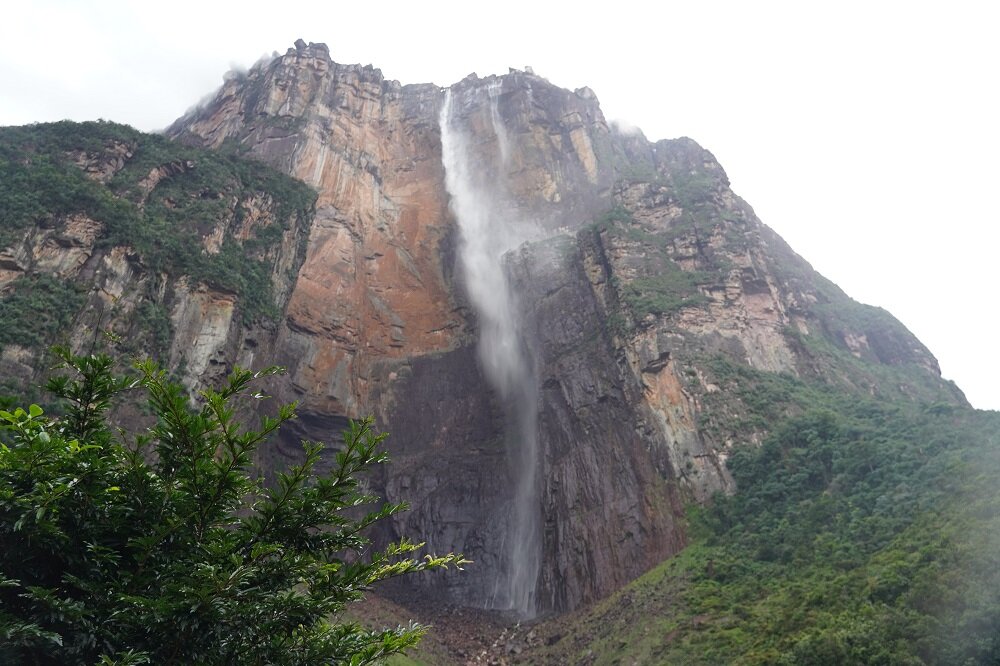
{"x": 176, "y": 257}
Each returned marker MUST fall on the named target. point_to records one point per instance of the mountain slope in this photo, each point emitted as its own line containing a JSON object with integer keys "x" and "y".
{"x": 661, "y": 326}
{"x": 652, "y": 269}
{"x": 862, "y": 532}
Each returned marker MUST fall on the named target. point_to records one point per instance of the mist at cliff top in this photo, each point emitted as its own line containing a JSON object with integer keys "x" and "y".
{"x": 863, "y": 133}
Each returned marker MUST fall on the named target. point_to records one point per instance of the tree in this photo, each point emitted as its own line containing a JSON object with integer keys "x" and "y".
{"x": 168, "y": 548}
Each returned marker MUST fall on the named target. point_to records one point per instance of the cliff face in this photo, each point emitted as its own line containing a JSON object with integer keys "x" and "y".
{"x": 379, "y": 320}
{"x": 377, "y": 281}
{"x": 373, "y": 284}
{"x": 641, "y": 285}
{"x": 652, "y": 270}
{"x": 177, "y": 253}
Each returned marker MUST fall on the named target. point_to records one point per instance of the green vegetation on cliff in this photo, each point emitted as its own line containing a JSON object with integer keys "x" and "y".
{"x": 660, "y": 285}
{"x": 863, "y": 531}
{"x": 160, "y": 198}
{"x": 37, "y": 308}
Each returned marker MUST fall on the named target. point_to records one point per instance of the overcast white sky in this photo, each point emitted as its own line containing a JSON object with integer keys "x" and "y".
{"x": 865, "y": 133}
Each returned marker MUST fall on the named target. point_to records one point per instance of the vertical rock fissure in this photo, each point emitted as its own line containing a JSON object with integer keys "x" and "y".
{"x": 489, "y": 229}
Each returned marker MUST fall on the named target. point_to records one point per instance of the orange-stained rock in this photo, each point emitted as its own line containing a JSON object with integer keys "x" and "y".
{"x": 372, "y": 284}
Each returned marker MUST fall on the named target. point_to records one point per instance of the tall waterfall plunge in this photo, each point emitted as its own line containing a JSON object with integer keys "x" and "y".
{"x": 488, "y": 230}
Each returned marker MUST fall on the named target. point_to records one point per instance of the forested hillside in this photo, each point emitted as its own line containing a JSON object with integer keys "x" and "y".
{"x": 862, "y": 531}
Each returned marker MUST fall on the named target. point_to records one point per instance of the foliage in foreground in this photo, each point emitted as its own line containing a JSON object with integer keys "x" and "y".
{"x": 110, "y": 558}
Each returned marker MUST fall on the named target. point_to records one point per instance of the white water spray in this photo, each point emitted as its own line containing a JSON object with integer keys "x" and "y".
{"x": 489, "y": 230}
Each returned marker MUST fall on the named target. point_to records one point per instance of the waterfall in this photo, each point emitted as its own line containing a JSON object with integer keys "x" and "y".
{"x": 489, "y": 229}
